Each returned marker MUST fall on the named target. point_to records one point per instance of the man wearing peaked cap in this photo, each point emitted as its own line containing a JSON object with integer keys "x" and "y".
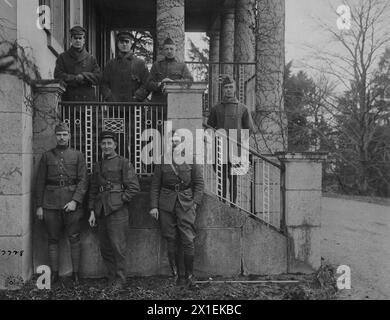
{"x": 78, "y": 69}
{"x": 113, "y": 186}
{"x": 230, "y": 114}
{"x": 166, "y": 70}
{"x": 60, "y": 189}
{"x": 124, "y": 77}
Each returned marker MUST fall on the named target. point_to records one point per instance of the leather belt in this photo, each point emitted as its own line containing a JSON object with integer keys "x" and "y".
{"x": 111, "y": 187}
{"x": 177, "y": 187}
{"x": 61, "y": 183}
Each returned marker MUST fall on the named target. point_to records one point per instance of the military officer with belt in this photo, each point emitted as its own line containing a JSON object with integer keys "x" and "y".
{"x": 113, "y": 186}
{"x": 78, "y": 69}
{"x": 165, "y": 70}
{"x": 176, "y": 192}
{"x": 60, "y": 189}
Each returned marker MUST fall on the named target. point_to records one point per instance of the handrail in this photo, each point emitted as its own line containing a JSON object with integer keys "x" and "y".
{"x": 71, "y": 103}
{"x": 251, "y": 151}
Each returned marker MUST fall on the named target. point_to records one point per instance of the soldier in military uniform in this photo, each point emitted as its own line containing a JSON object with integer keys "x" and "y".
{"x": 125, "y": 77}
{"x": 113, "y": 186}
{"x": 78, "y": 69}
{"x": 166, "y": 70}
{"x": 176, "y": 192}
{"x": 230, "y": 114}
{"x": 60, "y": 189}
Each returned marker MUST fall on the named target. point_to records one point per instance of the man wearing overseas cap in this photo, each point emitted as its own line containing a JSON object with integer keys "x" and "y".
{"x": 230, "y": 114}
{"x": 78, "y": 69}
{"x": 124, "y": 78}
{"x": 113, "y": 186}
{"x": 165, "y": 70}
{"x": 60, "y": 189}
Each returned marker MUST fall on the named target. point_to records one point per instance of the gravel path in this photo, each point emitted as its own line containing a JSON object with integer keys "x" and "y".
{"x": 357, "y": 234}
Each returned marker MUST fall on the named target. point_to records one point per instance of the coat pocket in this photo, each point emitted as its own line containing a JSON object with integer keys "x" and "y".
{"x": 115, "y": 200}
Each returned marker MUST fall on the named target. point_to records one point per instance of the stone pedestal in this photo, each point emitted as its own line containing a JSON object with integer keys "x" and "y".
{"x": 185, "y": 105}
{"x": 270, "y": 118}
{"x": 170, "y": 23}
{"x": 227, "y": 40}
{"x": 303, "y": 185}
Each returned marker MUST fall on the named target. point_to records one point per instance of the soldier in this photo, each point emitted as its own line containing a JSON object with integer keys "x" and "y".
{"x": 166, "y": 70}
{"x": 230, "y": 114}
{"x": 78, "y": 69}
{"x": 113, "y": 185}
{"x": 60, "y": 189}
{"x": 124, "y": 78}
{"x": 176, "y": 192}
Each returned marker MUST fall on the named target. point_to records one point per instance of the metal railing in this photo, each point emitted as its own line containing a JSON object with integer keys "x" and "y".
{"x": 128, "y": 120}
{"x": 258, "y": 192}
{"x": 244, "y": 73}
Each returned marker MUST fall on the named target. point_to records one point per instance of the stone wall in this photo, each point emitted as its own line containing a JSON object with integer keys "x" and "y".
{"x": 227, "y": 244}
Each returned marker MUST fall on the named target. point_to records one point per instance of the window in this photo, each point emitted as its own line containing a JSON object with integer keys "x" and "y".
{"x": 57, "y": 35}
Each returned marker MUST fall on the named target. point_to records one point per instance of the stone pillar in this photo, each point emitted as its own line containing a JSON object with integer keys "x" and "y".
{"x": 226, "y": 51}
{"x": 170, "y": 23}
{"x": 76, "y": 12}
{"x": 270, "y": 118}
{"x": 244, "y": 50}
{"x": 185, "y": 105}
{"x": 214, "y": 67}
{"x": 303, "y": 185}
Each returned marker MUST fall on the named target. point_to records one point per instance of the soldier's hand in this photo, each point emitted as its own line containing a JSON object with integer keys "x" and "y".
{"x": 154, "y": 213}
{"x": 79, "y": 77}
{"x": 71, "y": 206}
{"x": 167, "y": 80}
{"x": 92, "y": 219}
{"x": 40, "y": 213}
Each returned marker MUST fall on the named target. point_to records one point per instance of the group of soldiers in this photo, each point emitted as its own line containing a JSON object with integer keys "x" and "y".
{"x": 176, "y": 192}
{"x": 125, "y": 78}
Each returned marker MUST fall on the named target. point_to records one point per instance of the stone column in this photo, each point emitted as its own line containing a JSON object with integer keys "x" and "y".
{"x": 303, "y": 185}
{"x": 185, "y": 105}
{"x": 214, "y": 67}
{"x": 226, "y": 51}
{"x": 244, "y": 50}
{"x": 270, "y": 118}
{"x": 170, "y": 23}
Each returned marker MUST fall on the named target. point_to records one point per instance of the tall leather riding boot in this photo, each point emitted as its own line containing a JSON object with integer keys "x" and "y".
{"x": 173, "y": 264}
{"x": 75, "y": 250}
{"x": 189, "y": 271}
{"x": 53, "y": 258}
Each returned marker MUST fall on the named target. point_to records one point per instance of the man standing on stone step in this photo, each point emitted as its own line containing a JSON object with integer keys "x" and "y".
{"x": 166, "y": 70}
{"x": 125, "y": 77}
{"x": 230, "y": 114}
{"x": 175, "y": 194}
{"x": 78, "y": 69}
{"x": 113, "y": 186}
{"x": 60, "y": 189}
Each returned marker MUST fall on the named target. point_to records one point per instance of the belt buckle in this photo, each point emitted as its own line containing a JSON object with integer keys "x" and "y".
{"x": 177, "y": 187}
{"x": 62, "y": 183}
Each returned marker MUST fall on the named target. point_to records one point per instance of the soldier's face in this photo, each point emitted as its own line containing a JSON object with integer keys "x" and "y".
{"x": 108, "y": 146}
{"x": 124, "y": 45}
{"x": 169, "y": 51}
{"x": 77, "y": 41}
{"x": 229, "y": 90}
{"x": 62, "y": 138}
{"x": 176, "y": 140}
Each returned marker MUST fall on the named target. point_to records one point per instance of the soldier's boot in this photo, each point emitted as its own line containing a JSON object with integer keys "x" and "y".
{"x": 54, "y": 277}
{"x": 189, "y": 272}
{"x": 76, "y": 278}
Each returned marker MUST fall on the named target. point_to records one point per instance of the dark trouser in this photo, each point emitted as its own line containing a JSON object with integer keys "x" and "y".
{"x": 56, "y": 221}
{"x": 113, "y": 234}
{"x": 227, "y": 176}
{"x": 179, "y": 227}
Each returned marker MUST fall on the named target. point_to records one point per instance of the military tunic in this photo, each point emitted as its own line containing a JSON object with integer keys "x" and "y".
{"x": 61, "y": 178}
{"x": 113, "y": 186}
{"x": 175, "y": 197}
{"x": 125, "y": 79}
{"x": 166, "y": 68}
{"x": 71, "y": 63}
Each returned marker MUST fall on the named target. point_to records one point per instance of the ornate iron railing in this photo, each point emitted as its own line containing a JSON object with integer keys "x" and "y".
{"x": 128, "y": 120}
{"x": 259, "y": 190}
